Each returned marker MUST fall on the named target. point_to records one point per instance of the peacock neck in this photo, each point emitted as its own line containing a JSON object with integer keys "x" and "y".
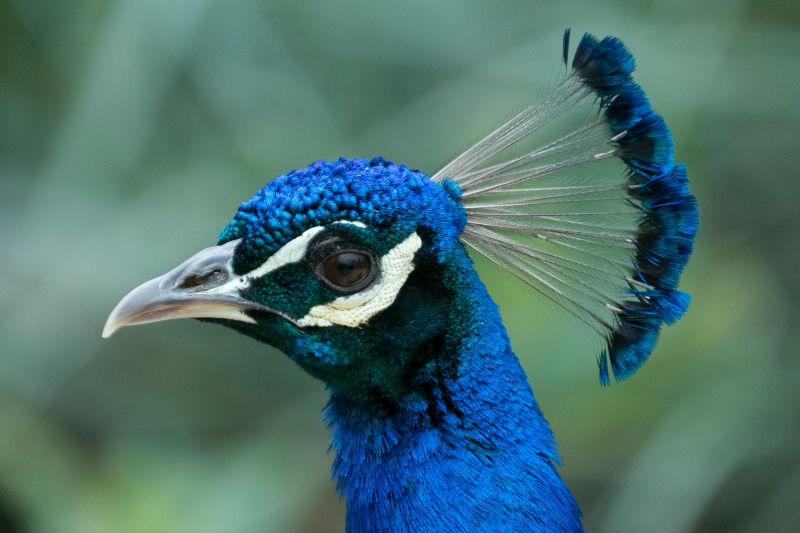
{"x": 469, "y": 451}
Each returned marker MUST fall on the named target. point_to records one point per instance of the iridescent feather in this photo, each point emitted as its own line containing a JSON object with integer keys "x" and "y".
{"x": 579, "y": 197}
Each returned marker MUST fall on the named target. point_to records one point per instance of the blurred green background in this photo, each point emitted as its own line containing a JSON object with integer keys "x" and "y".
{"x": 131, "y": 130}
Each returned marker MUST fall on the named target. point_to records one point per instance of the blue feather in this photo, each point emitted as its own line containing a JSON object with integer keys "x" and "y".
{"x": 605, "y": 65}
{"x": 669, "y": 224}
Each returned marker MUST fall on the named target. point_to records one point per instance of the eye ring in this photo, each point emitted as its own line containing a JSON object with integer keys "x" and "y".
{"x": 348, "y": 270}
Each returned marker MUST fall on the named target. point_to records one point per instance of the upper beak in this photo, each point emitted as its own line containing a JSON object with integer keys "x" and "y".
{"x": 204, "y": 286}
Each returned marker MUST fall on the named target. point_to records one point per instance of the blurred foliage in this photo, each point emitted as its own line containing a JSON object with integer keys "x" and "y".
{"x": 130, "y": 131}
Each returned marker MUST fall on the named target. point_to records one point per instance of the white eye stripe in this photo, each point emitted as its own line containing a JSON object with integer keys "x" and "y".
{"x": 356, "y": 309}
{"x": 352, "y": 310}
{"x": 291, "y": 252}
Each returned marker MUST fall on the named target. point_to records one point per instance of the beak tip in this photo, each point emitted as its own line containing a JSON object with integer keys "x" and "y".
{"x": 109, "y": 328}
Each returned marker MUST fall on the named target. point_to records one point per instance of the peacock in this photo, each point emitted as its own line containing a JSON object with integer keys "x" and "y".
{"x": 361, "y": 271}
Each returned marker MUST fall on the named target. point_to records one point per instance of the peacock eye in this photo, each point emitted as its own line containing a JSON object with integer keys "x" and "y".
{"x": 347, "y": 271}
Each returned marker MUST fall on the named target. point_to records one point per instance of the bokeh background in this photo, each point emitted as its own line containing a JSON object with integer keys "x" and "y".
{"x": 131, "y": 130}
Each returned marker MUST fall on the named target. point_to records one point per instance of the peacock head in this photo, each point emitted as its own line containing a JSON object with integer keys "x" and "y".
{"x": 339, "y": 265}
{"x": 351, "y": 267}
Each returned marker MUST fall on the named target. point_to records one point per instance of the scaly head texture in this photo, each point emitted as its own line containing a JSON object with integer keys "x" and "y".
{"x": 377, "y": 193}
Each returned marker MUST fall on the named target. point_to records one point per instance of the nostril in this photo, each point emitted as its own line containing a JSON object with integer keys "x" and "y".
{"x": 211, "y": 278}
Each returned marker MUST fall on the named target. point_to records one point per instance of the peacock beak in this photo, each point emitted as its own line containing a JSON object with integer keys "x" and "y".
{"x": 204, "y": 286}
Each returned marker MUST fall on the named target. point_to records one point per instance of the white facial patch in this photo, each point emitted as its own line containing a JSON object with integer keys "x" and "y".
{"x": 291, "y": 252}
{"x": 356, "y": 309}
{"x": 352, "y": 310}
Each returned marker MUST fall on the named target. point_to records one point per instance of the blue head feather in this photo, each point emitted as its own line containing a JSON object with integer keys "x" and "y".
{"x": 376, "y": 192}
{"x": 670, "y": 217}
{"x": 605, "y": 65}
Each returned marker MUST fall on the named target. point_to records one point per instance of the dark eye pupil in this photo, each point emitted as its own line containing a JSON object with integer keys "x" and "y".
{"x": 346, "y": 269}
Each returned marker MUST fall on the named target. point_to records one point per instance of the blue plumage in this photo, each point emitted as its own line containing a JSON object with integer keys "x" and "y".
{"x": 376, "y": 192}
{"x": 472, "y": 453}
{"x": 358, "y": 270}
{"x": 670, "y": 216}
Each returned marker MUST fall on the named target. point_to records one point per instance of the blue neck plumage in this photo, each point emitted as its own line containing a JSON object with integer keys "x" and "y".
{"x": 471, "y": 453}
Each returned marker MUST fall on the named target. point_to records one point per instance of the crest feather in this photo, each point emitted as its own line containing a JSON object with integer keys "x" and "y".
{"x": 579, "y": 197}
